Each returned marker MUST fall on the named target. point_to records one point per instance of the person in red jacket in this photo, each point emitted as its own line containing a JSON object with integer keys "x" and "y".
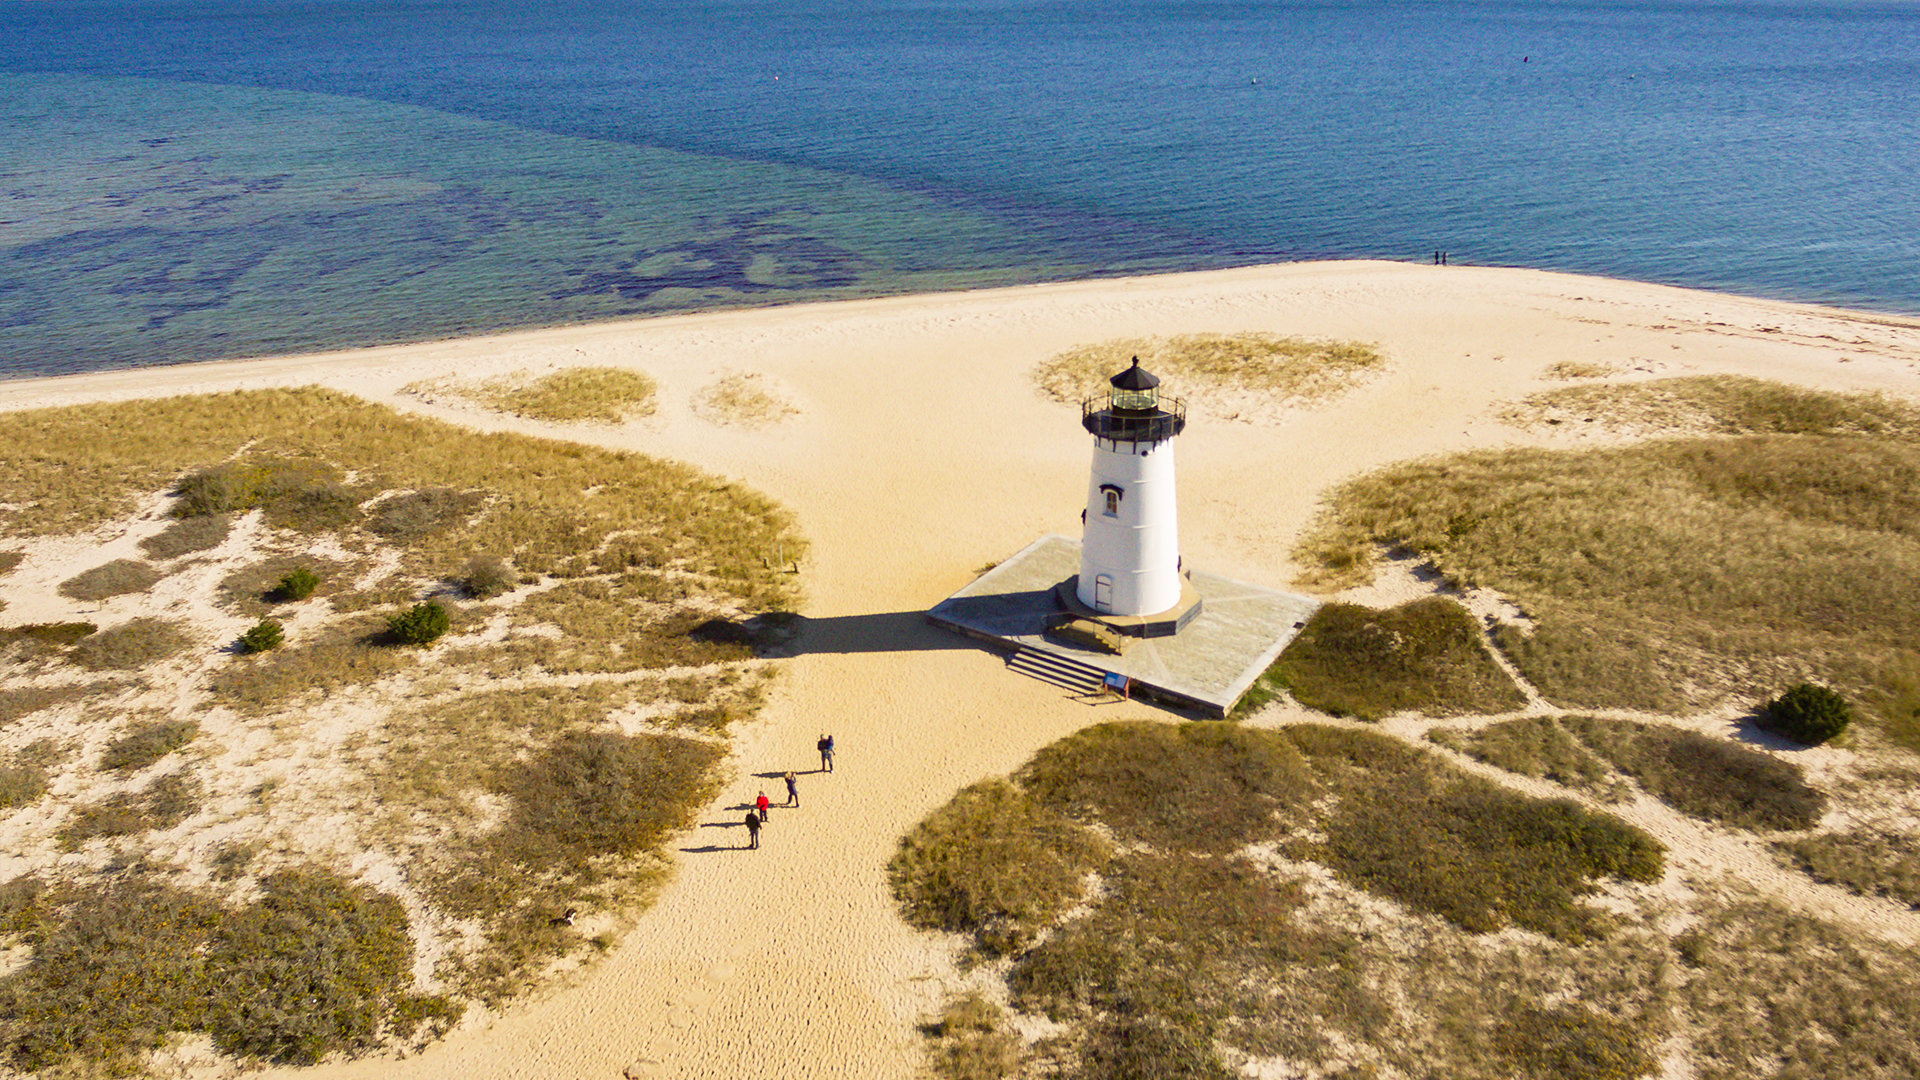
{"x": 761, "y": 805}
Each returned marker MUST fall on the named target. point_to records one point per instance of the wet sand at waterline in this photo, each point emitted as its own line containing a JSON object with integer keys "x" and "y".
{"x": 916, "y": 451}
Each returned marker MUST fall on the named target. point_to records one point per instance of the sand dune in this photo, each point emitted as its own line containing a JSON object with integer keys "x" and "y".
{"x": 919, "y": 451}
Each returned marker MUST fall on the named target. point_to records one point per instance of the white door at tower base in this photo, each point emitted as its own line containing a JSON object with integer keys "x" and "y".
{"x": 1103, "y": 593}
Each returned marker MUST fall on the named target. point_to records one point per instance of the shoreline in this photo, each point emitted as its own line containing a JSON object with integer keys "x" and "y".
{"x": 920, "y": 450}
{"x": 426, "y": 350}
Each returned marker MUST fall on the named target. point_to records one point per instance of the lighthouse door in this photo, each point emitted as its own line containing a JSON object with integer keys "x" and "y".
{"x": 1103, "y": 593}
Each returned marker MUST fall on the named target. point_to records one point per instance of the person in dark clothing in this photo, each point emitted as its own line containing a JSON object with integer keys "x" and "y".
{"x": 793, "y": 790}
{"x": 753, "y": 830}
{"x": 825, "y": 746}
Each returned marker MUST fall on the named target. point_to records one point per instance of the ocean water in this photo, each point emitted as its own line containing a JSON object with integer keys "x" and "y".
{"x": 193, "y": 179}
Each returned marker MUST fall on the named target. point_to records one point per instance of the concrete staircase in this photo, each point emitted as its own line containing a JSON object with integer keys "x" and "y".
{"x": 1058, "y": 670}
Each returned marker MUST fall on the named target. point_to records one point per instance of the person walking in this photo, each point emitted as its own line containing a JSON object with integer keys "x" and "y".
{"x": 825, "y": 746}
{"x": 753, "y": 830}
{"x": 793, "y": 790}
{"x": 761, "y": 805}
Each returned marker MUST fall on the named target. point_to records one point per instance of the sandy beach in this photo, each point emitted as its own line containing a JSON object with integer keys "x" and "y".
{"x": 919, "y": 451}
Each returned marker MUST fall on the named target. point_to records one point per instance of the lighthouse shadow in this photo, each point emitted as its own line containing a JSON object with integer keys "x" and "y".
{"x": 882, "y": 632}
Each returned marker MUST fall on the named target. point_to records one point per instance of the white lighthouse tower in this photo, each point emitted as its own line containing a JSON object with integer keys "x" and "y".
{"x": 1130, "y": 572}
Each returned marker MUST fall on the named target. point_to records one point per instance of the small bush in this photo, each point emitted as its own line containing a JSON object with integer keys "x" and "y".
{"x": 21, "y": 784}
{"x": 117, "y": 578}
{"x": 486, "y": 577}
{"x": 188, "y": 535}
{"x": 420, "y": 624}
{"x": 297, "y": 585}
{"x": 265, "y": 636}
{"x": 133, "y": 644}
{"x": 1807, "y": 714}
{"x": 147, "y": 743}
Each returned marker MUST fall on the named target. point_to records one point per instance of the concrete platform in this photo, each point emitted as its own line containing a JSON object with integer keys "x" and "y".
{"x": 1205, "y": 667}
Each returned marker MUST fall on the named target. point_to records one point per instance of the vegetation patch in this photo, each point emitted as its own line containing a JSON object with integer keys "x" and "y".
{"x": 1278, "y": 370}
{"x": 973, "y": 1041}
{"x": 1835, "y": 1005}
{"x": 742, "y": 400}
{"x": 486, "y": 577}
{"x": 145, "y": 743}
{"x": 1196, "y": 947}
{"x": 995, "y": 864}
{"x": 314, "y": 966}
{"x": 421, "y": 624}
{"x": 264, "y": 636}
{"x": 1667, "y": 575}
{"x": 188, "y": 535}
{"x": 296, "y": 585}
{"x": 603, "y": 394}
{"x": 21, "y": 784}
{"x": 1869, "y": 863}
{"x": 1424, "y": 656}
{"x": 117, "y": 578}
{"x": 166, "y": 802}
{"x": 505, "y": 810}
{"x": 1572, "y": 1044}
{"x": 1715, "y": 404}
{"x": 1705, "y": 777}
{"x": 135, "y": 643}
{"x": 1535, "y": 746}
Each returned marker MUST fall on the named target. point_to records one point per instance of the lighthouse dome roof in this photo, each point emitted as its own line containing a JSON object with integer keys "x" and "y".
{"x": 1135, "y": 378}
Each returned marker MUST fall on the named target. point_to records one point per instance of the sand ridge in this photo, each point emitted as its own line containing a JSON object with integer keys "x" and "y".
{"x": 918, "y": 452}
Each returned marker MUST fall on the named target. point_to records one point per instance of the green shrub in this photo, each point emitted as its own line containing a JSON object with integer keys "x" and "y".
{"x": 1807, "y": 714}
{"x": 994, "y": 864}
{"x": 420, "y": 624}
{"x": 147, "y": 743}
{"x": 297, "y": 585}
{"x": 485, "y": 578}
{"x": 133, "y": 644}
{"x": 117, "y": 578}
{"x": 265, "y": 636}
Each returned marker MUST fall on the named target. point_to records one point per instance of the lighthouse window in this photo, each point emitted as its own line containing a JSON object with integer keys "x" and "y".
{"x": 1111, "y": 495}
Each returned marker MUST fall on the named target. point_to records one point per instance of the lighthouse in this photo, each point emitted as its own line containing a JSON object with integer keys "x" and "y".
{"x": 1130, "y": 567}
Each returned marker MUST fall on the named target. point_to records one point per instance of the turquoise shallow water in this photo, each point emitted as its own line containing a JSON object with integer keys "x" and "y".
{"x": 189, "y": 179}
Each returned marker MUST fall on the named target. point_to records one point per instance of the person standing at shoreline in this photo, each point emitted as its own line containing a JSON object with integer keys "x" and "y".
{"x": 825, "y": 746}
{"x": 793, "y": 790}
{"x": 753, "y": 830}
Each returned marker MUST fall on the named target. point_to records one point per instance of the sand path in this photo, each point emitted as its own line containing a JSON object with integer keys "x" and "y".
{"x": 920, "y": 453}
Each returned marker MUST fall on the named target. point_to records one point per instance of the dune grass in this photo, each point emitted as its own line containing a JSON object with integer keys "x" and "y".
{"x": 1535, "y": 746}
{"x": 1709, "y": 778}
{"x": 1719, "y": 405}
{"x": 1281, "y": 369}
{"x": 503, "y": 812}
{"x": 117, "y": 578}
{"x": 601, "y": 394}
{"x": 1674, "y": 574}
{"x": 994, "y": 863}
{"x": 188, "y": 535}
{"x": 1425, "y": 656}
{"x": 1864, "y": 861}
{"x": 741, "y": 400}
{"x": 182, "y": 962}
{"x": 1191, "y": 942}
